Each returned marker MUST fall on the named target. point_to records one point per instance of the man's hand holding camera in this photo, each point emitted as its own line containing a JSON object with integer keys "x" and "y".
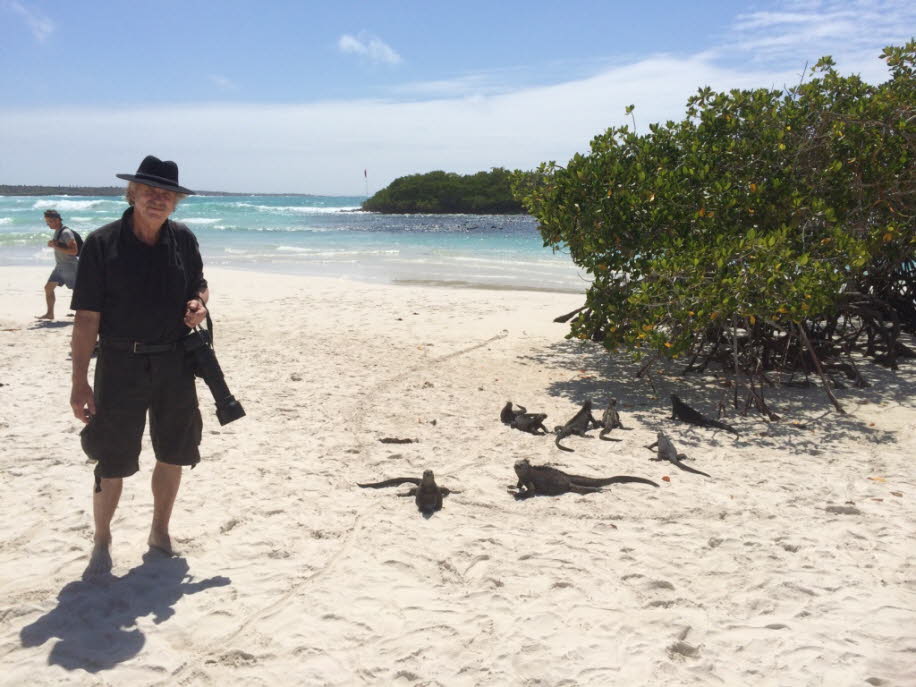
{"x": 195, "y": 313}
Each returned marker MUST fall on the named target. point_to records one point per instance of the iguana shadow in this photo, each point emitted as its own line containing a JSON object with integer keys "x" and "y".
{"x": 96, "y": 621}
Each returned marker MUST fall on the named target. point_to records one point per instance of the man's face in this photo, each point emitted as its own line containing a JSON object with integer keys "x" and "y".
{"x": 54, "y": 223}
{"x": 154, "y": 204}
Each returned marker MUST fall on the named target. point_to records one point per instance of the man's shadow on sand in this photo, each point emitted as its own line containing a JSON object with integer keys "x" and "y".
{"x": 96, "y": 621}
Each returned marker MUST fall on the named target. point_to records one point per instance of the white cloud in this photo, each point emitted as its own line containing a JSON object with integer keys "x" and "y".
{"x": 827, "y": 27}
{"x": 348, "y": 43}
{"x": 223, "y": 83}
{"x": 468, "y": 84}
{"x": 40, "y": 25}
{"x": 799, "y": 32}
{"x": 323, "y": 147}
{"x": 371, "y": 47}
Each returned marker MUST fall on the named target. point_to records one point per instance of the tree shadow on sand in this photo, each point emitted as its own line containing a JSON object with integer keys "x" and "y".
{"x": 96, "y": 621}
{"x": 596, "y": 374}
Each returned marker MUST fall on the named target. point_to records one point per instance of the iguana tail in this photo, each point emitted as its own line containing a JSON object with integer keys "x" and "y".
{"x": 625, "y": 479}
{"x": 604, "y": 432}
{"x": 562, "y": 433}
{"x": 687, "y": 468}
{"x": 603, "y": 481}
{"x": 721, "y": 425}
{"x": 396, "y": 481}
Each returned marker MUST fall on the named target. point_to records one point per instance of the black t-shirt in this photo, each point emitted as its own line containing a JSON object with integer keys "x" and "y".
{"x": 141, "y": 291}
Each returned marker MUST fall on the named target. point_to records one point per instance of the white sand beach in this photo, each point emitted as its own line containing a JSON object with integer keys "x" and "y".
{"x": 792, "y": 565}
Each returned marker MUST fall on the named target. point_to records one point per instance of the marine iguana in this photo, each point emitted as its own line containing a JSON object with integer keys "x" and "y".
{"x": 541, "y": 479}
{"x": 666, "y": 451}
{"x": 530, "y": 422}
{"x": 683, "y": 412}
{"x": 507, "y": 414}
{"x": 428, "y": 494}
{"x": 580, "y": 423}
{"x": 610, "y": 420}
{"x": 522, "y": 419}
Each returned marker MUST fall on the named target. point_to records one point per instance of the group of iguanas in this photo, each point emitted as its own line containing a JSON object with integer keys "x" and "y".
{"x": 582, "y": 422}
{"x": 549, "y": 481}
{"x": 532, "y": 480}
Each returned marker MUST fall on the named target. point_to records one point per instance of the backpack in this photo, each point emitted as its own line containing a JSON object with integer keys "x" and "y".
{"x": 79, "y": 241}
{"x": 76, "y": 236}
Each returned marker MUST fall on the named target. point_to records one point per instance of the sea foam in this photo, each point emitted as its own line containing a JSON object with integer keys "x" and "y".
{"x": 70, "y": 205}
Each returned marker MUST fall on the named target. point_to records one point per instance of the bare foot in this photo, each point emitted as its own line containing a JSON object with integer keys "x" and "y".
{"x": 46, "y": 316}
{"x": 161, "y": 542}
{"x": 99, "y": 562}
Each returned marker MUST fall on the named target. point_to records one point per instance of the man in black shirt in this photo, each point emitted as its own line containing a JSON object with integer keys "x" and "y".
{"x": 139, "y": 289}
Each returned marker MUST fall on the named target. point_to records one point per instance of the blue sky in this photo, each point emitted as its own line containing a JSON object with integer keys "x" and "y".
{"x": 301, "y": 97}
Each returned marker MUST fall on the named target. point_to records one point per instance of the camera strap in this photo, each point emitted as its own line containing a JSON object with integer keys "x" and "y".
{"x": 194, "y": 339}
{"x": 209, "y": 325}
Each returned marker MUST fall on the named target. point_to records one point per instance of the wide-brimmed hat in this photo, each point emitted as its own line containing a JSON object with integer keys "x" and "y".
{"x": 159, "y": 173}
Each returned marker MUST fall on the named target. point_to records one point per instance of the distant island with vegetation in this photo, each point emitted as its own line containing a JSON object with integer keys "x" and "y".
{"x": 34, "y": 190}
{"x": 483, "y": 193}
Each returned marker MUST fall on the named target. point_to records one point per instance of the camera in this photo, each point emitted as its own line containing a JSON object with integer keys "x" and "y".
{"x": 199, "y": 344}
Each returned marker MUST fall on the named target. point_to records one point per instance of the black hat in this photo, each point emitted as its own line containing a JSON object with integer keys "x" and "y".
{"x": 155, "y": 172}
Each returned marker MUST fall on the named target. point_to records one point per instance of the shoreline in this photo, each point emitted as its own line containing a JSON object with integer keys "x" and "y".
{"x": 359, "y": 279}
{"x": 457, "y": 284}
{"x": 791, "y": 564}
{"x": 314, "y": 237}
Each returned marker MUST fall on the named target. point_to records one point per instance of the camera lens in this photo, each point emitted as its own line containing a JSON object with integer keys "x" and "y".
{"x": 229, "y": 410}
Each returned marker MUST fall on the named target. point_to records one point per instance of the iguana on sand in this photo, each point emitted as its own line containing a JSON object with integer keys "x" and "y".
{"x": 531, "y": 423}
{"x": 610, "y": 420}
{"x": 507, "y": 414}
{"x": 428, "y": 494}
{"x": 682, "y": 411}
{"x": 580, "y": 423}
{"x": 666, "y": 451}
{"x": 523, "y": 420}
{"x": 541, "y": 479}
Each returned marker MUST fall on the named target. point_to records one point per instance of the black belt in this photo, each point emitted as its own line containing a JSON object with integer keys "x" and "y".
{"x": 139, "y": 347}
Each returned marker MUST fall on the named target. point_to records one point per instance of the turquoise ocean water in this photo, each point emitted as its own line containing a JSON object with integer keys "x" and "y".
{"x": 320, "y": 236}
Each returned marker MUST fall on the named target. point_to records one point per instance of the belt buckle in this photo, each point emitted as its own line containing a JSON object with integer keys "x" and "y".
{"x": 135, "y": 347}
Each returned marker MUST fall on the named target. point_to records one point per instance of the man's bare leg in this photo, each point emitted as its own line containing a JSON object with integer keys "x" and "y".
{"x": 166, "y": 480}
{"x": 104, "y": 504}
{"x": 49, "y": 301}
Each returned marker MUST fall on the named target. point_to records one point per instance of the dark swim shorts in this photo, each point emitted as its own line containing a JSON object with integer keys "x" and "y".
{"x": 126, "y": 386}
{"x": 64, "y": 275}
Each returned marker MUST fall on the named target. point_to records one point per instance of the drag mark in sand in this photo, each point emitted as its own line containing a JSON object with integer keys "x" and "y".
{"x": 358, "y": 418}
